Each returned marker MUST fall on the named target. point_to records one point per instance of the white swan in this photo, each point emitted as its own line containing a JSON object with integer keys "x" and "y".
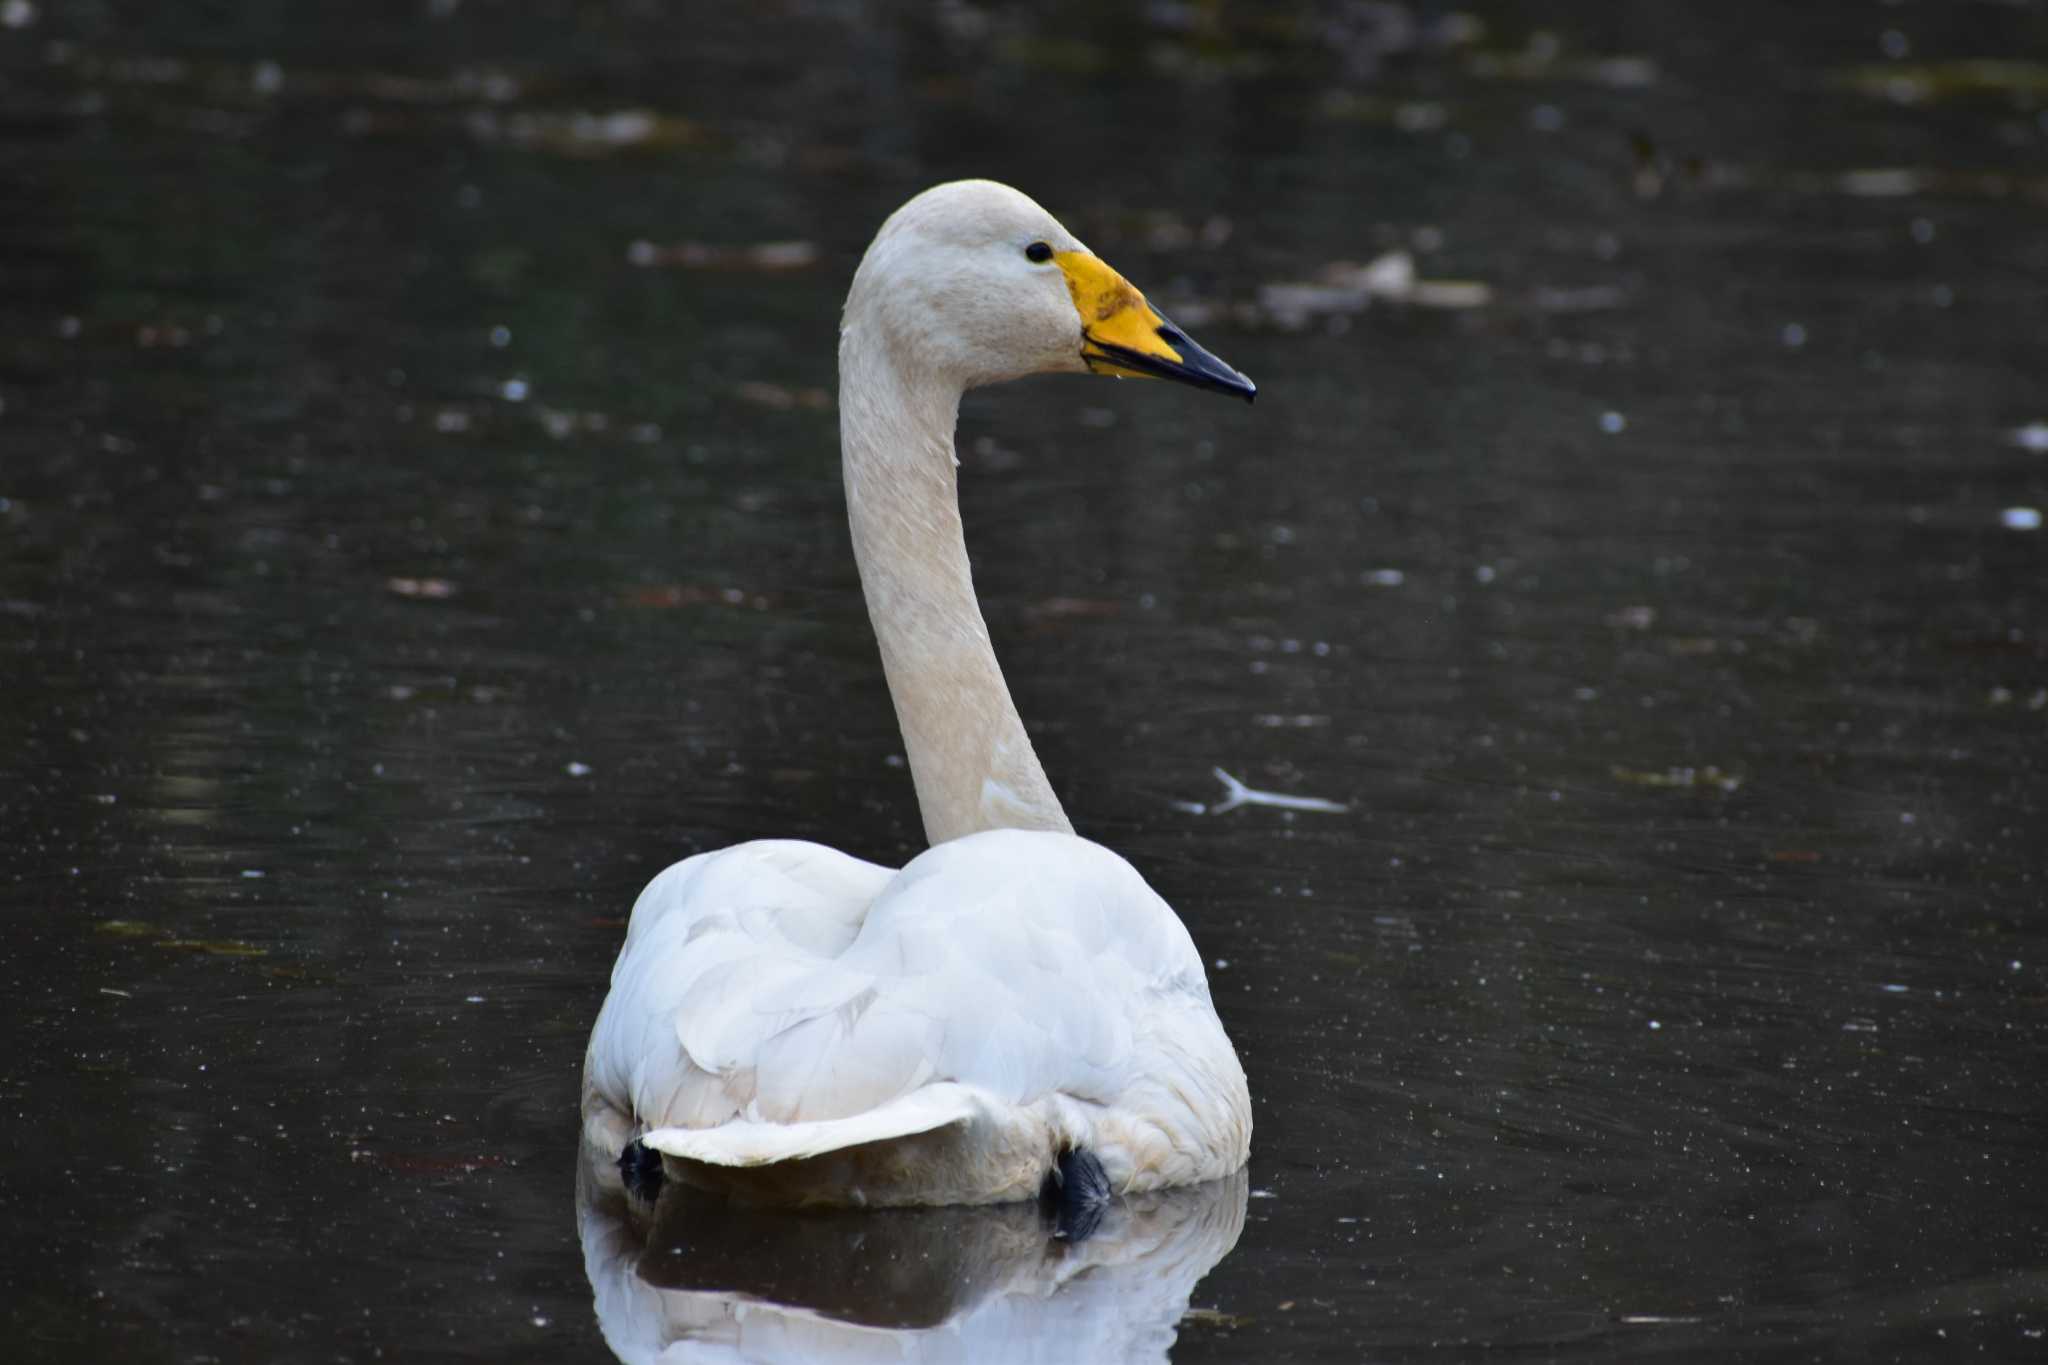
{"x": 794, "y": 1025}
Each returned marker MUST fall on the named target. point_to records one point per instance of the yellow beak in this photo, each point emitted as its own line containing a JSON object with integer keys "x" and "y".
{"x": 1121, "y": 334}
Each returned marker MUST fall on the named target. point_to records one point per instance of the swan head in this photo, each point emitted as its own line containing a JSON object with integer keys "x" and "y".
{"x": 973, "y": 283}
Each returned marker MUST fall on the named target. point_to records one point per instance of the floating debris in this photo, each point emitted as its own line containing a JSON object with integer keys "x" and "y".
{"x": 127, "y": 928}
{"x": 765, "y": 257}
{"x": 1709, "y": 778}
{"x": 582, "y": 133}
{"x": 213, "y": 947}
{"x": 1343, "y": 287}
{"x": 1592, "y": 298}
{"x": 1659, "y": 1319}
{"x": 1236, "y": 793}
{"x": 428, "y": 589}
{"x": 781, "y": 398}
{"x": 1409, "y": 116}
{"x": 1890, "y": 182}
{"x": 1217, "y": 1318}
{"x": 1899, "y": 182}
{"x": 1544, "y": 58}
{"x": 1921, "y": 83}
{"x": 667, "y": 595}
{"x": 1052, "y": 611}
{"x": 1631, "y": 618}
{"x": 2020, "y": 518}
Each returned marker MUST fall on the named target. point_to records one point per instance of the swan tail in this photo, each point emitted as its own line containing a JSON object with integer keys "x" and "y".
{"x": 747, "y": 1142}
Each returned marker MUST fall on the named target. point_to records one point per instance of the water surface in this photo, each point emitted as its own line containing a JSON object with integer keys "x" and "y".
{"x": 398, "y": 566}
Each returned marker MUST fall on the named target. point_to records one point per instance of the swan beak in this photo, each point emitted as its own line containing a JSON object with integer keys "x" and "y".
{"x": 1121, "y": 334}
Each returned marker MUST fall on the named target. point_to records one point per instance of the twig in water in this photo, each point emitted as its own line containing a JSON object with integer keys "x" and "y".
{"x": 1236, "y": 793}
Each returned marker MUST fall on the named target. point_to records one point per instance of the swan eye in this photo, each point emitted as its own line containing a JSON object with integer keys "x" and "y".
{"x": 1039, "y": 252}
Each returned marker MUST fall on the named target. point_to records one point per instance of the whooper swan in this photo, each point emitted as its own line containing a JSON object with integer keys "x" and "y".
{"x": 1015, "y": 1011}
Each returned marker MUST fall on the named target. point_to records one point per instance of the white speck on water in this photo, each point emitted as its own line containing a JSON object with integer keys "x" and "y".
{"x": 540, "y": 1320}
{"x": 1658, "y": 1319}
{"x": 1923, "y": 230}
{"x": 17, "y": 14}
{"x": 1655, "y": 1025}
{"x": 1907, "y": 817}
{"x": 451, "y": 419}
{"x": 1382, "y": 578}
{"x": 2013, "y": 965}
{"x": 1893, "y": 988}
{"x": 1263, "y": 1194}
{"x": 267, "y": 78}
{"x": 253, "y": 873}
{"x": 1860, "y": 1026}
{"x": 1483, "y": 574}
{"x": 472, "y": 1000}
{"x": 2020, "y": 518}
{"x": 576, "y": 769}
{"x": 893, "y": 761}
{"x": 1894, "y": 44}
{"x": 501, "y": 336}
{"x": 513, "y": 390}
{"x": 1223, "y": 964}
{"x": 1613, "y": 423}
{"x": 2033, "y": 436}
{"x": 1793, "y": 336}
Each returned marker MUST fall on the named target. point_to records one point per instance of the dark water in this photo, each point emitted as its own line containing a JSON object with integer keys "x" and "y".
{"x": 394, "y": 574}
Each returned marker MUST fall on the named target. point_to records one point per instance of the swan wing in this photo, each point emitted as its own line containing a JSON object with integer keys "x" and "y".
{"x": 720, "y": 949}
{"x": 763, "y": 1011}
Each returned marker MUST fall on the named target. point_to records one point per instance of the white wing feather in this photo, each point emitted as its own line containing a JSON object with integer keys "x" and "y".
{"x": 780, "y": 1000}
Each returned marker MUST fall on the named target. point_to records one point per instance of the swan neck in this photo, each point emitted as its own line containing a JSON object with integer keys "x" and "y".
{"x": 969, "y": 756}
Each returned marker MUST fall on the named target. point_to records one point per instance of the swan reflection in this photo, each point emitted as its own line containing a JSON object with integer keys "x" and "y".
{"x": 696, "y": 1279}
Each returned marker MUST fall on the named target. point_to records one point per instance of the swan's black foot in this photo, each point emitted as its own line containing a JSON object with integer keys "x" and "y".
{"x": 1077, "y": 1194}
{"x": 641, "y": 1170}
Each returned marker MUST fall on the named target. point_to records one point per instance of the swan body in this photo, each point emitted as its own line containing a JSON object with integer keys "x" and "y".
{"x": 792, "y": 1025}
